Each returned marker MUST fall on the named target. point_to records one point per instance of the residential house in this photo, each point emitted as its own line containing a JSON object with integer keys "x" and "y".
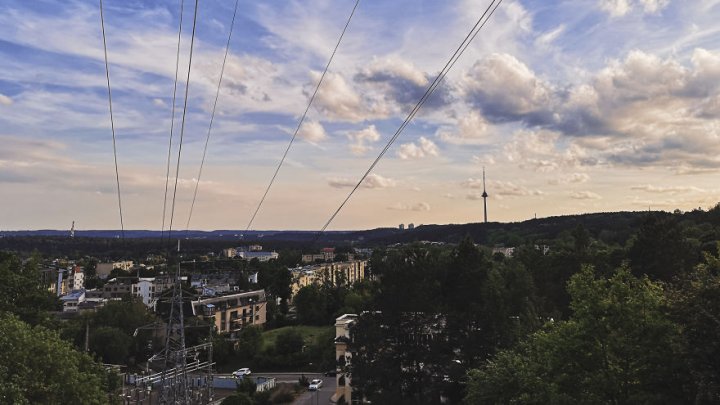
{"x": 343, "y": 357}
{"x": 71, "y": 302}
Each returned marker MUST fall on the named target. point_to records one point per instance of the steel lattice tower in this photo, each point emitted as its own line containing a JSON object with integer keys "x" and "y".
{"x": 174, "y": 383}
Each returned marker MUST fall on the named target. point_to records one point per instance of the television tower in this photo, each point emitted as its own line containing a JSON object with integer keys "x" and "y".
{"x": 72, "y": 230}
{"x": 484, "y": 195}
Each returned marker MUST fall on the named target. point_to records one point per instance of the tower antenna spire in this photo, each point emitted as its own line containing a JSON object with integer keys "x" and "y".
{"x": 484, "y": 196}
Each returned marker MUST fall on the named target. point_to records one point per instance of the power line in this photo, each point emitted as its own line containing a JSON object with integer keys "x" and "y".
{"x": 172, "y": 119}
{"x": 112, "y": 121}
{"x": 438, "y": 79}
{"x": 302, "y": 119}
{"x": 212, "y": 116}
{"x": 182, "y": 125}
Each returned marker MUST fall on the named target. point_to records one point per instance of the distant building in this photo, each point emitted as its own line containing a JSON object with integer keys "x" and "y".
{"x": 150, "y": 289}
{"x": 325, "y": 255}
{"x": 61, "y": 281}
{"x": 71, "y": 302}
{"x": 229, "y": 253}
{"x": 507, "y": 252}
{"x": 401, "y": 227}
{"x": 344, "y": 273}
{"x": 231, "y": 313}
{"x": 102, "y": 270}
{"x": 261, "y": 256}
{"x": 411, "y": 226}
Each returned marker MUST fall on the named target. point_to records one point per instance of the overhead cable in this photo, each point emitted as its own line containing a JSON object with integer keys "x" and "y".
{"x": 212, "y": 117}
{"x": 182, "y": 125}
{"x": 435, "y": 83}
{"x": 172, "y": 119}
{"x": 302, "y": 118}
{"x": 112, "y": 121}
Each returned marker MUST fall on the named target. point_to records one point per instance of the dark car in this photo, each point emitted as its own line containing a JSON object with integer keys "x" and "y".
{"x": 330, "y": 373}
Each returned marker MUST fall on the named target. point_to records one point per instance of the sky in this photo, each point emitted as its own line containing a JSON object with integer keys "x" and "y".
{"x": 571, "y": 106}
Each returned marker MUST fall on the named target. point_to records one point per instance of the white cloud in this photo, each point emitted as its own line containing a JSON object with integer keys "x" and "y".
{"x": 497, "y": 189}
{"x": 667, "y": 189}
{"x": 312, "y": 131}
{"x": 505, "y": 89}
{"x": 5, "y": 100}
{"x": 361, "y": 138}
{"x": 483, "y": 160}
{"x": 616, "y": 8}
{"x": 574, "y": 178}
{"x": 423, "y": 148}
{"x": 471, "y": 128}
{"x": 653, "y": 6}
{"x": 371, "y": 181}
{"x": 337, "y": 99}
{"x": 546, "y": 39}
{"x": 584, "y": 195}
{"x": 619, "y": 8}
{"x": 421, "y": 206}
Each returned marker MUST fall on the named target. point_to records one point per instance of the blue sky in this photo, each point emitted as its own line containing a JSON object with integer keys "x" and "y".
{"x": 571, "y": 105}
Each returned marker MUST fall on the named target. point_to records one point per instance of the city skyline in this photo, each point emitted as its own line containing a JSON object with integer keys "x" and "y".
{"x": 578, "y": 106}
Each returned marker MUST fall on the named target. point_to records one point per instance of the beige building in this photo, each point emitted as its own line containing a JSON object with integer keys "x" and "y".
{"x": 338, "y": 273}
{"x": 102, "y": 270}
{"x": 232, "y": 312}
{"x": 343, "y": 357}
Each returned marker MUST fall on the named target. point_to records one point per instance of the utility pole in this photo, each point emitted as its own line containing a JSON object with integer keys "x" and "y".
{"x": 87, "y": 336}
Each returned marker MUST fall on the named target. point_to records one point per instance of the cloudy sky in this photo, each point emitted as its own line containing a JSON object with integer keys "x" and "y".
{"x": 571, "y": 105}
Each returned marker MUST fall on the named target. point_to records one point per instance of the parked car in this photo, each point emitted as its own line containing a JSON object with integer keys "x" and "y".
{"x": 330, "y": 373}
{"x": 241, "y": 372}
{"x": 315, "y": 384}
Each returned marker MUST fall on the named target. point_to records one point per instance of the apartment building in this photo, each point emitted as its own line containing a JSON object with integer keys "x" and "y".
{"x": 336, "y": 273}
{"x": 232, "y": 312}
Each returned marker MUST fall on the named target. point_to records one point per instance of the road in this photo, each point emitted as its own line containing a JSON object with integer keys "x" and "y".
{"x": 322, "y": 396}
{"x": 319, "y": 397}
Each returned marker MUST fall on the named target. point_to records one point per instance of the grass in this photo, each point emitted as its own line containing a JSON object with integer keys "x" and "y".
{"x": 309, "y": 334}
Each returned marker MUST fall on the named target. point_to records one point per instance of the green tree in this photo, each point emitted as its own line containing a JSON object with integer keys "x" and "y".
{"x": 618, "y": 347}
{"x": 660, "y": 249}
{"x": 247, "y": 386}
{"x": 111, "y": 344}
{"x": 310, "y": 305}
{"x": 37, "y": 367}
{"x": 21, "y": 290}
{"x": 695, "y": 306}
{"x": 289, "y": 342}
{"x": 249, "y": 342}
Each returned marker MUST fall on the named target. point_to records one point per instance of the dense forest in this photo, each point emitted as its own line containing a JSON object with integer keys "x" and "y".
{"x": 592, "y": 321}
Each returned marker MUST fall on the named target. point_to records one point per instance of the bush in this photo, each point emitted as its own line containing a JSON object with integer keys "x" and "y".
{"x": 283, "y": 394}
